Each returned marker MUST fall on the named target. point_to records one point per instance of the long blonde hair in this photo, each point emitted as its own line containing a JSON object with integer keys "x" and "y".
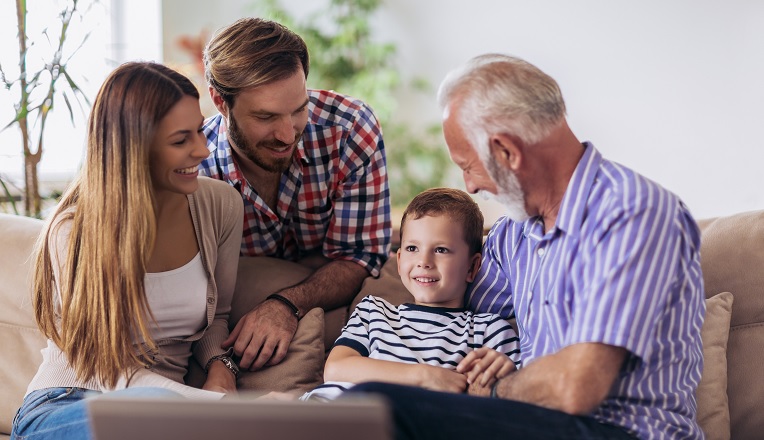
{"x": 110, "y": 206}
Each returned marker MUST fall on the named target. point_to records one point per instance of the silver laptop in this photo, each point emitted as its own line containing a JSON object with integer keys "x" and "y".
{"x": 171, "y": 418}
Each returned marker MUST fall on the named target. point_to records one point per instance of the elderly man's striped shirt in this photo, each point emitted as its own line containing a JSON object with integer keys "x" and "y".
{"x": 620, "y": 267}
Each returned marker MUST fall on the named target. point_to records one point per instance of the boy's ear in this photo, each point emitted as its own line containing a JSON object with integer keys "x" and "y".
{"x": 398, "y": 260}
{"x": 474, "y": 266}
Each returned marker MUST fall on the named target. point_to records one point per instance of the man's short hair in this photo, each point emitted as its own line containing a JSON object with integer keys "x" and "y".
{"x": 495, "y": 93}
{"x": 454, "y": 203}
{"x": 252, "y": 52}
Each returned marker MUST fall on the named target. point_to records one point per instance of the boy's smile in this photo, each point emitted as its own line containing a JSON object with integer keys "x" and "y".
{"x": 434, "y": 261}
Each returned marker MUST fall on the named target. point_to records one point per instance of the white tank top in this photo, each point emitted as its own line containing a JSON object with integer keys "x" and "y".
{"x": 178, "y": 299}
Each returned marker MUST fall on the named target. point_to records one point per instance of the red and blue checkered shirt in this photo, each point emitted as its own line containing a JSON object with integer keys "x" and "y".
{"x": 334, "y": 197}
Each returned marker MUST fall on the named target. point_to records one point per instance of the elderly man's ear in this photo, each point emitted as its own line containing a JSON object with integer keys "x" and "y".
{"x": 507, "y": 151}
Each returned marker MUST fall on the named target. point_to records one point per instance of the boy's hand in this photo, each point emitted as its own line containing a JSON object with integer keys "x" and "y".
{"x": 441, "y": 379}
{"x": 484, "y": 365}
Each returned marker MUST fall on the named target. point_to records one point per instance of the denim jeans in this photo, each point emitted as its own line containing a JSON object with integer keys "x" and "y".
{"x": 422, "y": 414}
{"x": 61, "y": 413}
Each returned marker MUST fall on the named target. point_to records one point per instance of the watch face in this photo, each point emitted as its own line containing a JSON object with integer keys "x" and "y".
{"x": 231, "y": 366}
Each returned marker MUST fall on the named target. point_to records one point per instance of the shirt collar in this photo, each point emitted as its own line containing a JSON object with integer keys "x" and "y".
{"x": 571, "y": 214}
{"x": 300, "y": 153}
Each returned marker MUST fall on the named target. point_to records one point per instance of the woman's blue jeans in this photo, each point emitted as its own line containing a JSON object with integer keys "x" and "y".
{"x": 61, "y": 413}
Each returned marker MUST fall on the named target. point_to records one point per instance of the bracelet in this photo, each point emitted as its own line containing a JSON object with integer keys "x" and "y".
{"x": 227, "y": 361}
{"x": 494, "y": 389}
{"x": 290, "y": 304}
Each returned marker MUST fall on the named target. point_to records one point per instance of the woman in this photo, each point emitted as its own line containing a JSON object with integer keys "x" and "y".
{"x": 136, "y": 268}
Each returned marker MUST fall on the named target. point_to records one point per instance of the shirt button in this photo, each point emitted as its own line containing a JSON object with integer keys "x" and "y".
{"x": 540, "y": 252}
{"x": 210, "y": 300}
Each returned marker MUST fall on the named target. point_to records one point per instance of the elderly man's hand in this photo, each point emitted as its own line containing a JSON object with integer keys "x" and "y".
{"x": 476, "y": 389}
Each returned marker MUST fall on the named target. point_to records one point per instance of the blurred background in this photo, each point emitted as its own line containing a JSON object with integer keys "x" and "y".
{"x": 671, "y": 89}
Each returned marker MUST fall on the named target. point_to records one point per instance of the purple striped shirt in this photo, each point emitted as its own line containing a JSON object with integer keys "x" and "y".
{"x": 620, "y": 267}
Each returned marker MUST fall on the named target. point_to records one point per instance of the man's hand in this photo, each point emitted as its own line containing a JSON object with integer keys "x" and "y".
{"x": 220, "y": 379}
{"x": 484, "y": 366}
{"x": 262, "y": 336}
{"x": 475, "y": 389}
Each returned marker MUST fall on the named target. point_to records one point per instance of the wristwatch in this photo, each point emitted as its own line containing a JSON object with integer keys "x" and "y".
{"x": 227, "y": 361}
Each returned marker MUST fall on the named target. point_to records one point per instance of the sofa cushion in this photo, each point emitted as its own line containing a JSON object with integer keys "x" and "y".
{"x": 20, "y": 340}
{"x": 732, "y": 256}
{"x": 18, "y": 364}
{"x": 303, "y": 368}
{"x": 387, "y": 286}
{"x": 300, "y": 371}
{"x": 713, "y": 406}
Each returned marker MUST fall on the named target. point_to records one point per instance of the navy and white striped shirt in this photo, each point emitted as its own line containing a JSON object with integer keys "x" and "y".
{"x": 620, "y": 267}
{"x": 415, "y": 334}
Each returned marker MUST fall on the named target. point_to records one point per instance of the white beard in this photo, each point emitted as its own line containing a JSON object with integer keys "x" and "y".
{"x": 510, "y": 193}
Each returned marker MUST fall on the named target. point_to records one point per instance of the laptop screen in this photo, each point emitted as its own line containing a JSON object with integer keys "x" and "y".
{"x": 240, "y": 418}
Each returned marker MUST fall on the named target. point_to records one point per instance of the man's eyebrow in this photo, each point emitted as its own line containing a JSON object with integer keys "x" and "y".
{"x": 269, "y": 113}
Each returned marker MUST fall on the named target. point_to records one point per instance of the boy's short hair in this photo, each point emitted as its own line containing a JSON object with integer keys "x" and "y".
{"x": 454, "y": 203}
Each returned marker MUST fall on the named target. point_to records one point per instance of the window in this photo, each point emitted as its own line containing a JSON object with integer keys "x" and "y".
{"x": 116, "y": 30}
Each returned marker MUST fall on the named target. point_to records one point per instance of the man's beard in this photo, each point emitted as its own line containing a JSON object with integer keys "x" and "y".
{"x": 255, "y": 154}
{"x": 510, "y": 194}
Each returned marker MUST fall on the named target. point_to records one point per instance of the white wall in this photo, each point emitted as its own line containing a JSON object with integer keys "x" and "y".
{"x": 119, "y": 31}
{"x": 672, "y": 89}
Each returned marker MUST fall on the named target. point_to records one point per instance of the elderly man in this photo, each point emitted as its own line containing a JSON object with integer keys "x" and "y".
{"x": 599, "y": 265}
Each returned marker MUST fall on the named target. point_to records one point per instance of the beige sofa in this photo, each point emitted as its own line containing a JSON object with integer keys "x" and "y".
{"x": 729, "y": 399}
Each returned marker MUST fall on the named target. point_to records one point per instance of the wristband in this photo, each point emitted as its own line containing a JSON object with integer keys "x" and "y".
{"x": 494, "y": 390}
{"x": 290, "y": 304}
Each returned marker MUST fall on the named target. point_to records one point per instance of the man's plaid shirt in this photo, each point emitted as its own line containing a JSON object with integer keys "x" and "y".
{"x": 334, "y": 196}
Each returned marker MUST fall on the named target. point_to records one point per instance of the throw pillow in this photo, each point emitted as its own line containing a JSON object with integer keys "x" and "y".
{"x": 301, "y": 370}
{"x": 387, "y": 286}
{"x": 303, "y": 367}
{"x": 713, "y": 407}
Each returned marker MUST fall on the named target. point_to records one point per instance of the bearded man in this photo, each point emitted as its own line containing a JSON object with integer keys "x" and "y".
{"x": 310, "y": 167}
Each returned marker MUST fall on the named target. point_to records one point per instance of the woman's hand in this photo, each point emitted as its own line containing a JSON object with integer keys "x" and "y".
{"x": 220, "y": 379}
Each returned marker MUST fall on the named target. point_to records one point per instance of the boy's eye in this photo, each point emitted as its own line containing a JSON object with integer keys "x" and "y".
{"x": 441, "y": 250}
{"x": 410, "y": 248}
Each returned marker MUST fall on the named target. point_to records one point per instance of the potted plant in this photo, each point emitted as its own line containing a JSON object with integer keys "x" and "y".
{"x": 38, "y": 90}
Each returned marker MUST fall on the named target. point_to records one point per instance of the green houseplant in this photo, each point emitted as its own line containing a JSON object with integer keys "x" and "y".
{"x": 38, "y": 90}
{"x": 345, "y": 57}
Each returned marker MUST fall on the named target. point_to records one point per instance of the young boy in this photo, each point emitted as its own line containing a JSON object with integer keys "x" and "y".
{"x": 422, "y": 344}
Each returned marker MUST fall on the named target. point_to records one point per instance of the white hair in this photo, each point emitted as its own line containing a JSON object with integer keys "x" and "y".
{"x": 498, "y": 93}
